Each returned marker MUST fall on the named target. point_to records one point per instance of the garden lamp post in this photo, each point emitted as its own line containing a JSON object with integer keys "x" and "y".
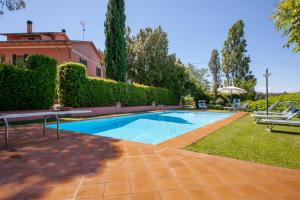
{"x": 267, "y": 75}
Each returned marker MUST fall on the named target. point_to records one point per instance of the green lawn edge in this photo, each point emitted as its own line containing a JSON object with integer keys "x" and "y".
{"x": 245, "y": 140}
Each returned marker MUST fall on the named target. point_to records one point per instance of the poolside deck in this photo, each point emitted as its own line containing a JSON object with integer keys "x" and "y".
{"x": 91, "y": 167}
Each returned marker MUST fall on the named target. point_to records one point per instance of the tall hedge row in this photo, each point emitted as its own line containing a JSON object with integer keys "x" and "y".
{"x": 75, "y": 89}
{"x": 28, "y": 86}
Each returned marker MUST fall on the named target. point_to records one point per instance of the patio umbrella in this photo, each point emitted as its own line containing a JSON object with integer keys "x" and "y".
{"x": 230, "y": 90}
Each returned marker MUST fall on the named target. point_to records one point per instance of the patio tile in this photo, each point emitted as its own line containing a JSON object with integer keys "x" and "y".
{"x": 117, "y": 188}
{"x": 190, "y": 182}
{"x": 61, "y": 193}
{"x": 173, "y": 195}
{"x": 34, "y": 193}
{"x": 274, "y": 188}
{"x": 226, "y": 192}
{"x": 146, "y": 196}
{"x": 212, "y": 180}
{"x": 140, "y": 174}
{"x": 176, "y": 163}
{"x": 292, "y": 185}
{"x": 167, "y": 183}
{"x": 249, "y": 190}
{"x": 89, "y": 191}
{"x": 143, "y": 186}
{"x": 93, "y": 178}
{"x": 117, "y": 176}
{"x": 118, "y": 197}
{"x": 161, "y": 173}
{"x": 201, "y": 193}
{"x": 233, "y": 179}
{"x": 184, "y": 172}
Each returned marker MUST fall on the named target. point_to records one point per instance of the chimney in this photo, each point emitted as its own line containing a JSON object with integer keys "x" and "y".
{"x": 63, "y": 30}
{"x": 29, "y": 26}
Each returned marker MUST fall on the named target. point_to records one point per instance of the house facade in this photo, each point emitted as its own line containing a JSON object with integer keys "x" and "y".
{"x": 54, "y": 44}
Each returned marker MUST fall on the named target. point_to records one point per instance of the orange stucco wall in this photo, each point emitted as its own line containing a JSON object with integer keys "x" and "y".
{"x": 61, "y": 51}
{"x": 85, "y": 51}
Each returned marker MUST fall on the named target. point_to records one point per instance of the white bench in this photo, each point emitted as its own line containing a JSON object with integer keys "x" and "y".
{"x": 46, "y": 115}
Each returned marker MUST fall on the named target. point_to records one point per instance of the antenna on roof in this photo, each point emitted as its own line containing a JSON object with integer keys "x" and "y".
{"x": 82, "y": 24}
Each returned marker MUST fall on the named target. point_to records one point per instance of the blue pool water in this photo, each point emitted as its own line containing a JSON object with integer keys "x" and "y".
{"x": 149, "y": 128}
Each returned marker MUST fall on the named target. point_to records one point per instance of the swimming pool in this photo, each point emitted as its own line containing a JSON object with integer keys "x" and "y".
{"x": 149, "y": 128}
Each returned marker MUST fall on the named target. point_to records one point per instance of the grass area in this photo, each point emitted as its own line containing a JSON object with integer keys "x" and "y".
{"x": 245, "y": 140}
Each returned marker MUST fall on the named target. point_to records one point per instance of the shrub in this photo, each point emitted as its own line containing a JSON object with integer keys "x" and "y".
{"x": 75, "y": 89}
{"x": 261, "y": 104}
{"x": 28, "y": 86}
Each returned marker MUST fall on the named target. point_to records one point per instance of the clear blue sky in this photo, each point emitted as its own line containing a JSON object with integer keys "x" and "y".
{"x": 194, "y": 28}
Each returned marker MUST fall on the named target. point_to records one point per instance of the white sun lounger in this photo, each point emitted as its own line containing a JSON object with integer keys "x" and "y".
{"x": 271, "y": 123}
{"x": 271, "y": 107}
{"x": 286, "y": 116}
{"x": 56, "y": 114}
{"x": 289, "y": 108}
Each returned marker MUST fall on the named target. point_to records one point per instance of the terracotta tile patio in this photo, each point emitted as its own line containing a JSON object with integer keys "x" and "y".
{"x": 91, "y": 167}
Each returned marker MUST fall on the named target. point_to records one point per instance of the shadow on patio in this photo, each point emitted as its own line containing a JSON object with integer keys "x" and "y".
{"x": 53, "y": 167}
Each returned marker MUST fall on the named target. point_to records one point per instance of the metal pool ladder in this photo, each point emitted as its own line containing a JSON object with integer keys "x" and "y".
{"x": 161, "y": 107}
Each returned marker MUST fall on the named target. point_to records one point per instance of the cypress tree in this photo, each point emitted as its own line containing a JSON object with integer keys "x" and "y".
{"x": 115, "y": 44}
{"x": 215, "y": 69}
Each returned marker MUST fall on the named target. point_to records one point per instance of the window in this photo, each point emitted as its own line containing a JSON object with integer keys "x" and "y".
{"x": 83, "y": 61}
{"x": 98, "y": 71}
{"x": 18, "y": 59}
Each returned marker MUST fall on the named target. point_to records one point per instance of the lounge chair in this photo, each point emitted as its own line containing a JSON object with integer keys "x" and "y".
{"x": 271, "y": 123}
{"x": 271, "y": 107}
{"x": 235, "y": 105}
{"x": 290, "y": 106}
{"x": 286, "y": 116}
{"x": 244, "y": 106}
{"x": 202, "y": 104}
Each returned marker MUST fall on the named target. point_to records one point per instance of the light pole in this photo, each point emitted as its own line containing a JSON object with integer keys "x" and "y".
{"x": 267, "y": 75}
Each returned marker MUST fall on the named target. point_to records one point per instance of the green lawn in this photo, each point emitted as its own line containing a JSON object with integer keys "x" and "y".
{"x": 245, "y": 140}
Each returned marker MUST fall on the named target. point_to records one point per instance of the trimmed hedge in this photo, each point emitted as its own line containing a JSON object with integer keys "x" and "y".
{"x": 75, "y": 89}
{"x": 28, "y": 86}
{"x": 261, "y": 104}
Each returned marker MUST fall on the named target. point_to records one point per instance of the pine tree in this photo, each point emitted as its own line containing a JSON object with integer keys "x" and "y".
{"x": 115, "y": 44}
{"x": 235, "y": 62}
{"x": 215, "y": 69}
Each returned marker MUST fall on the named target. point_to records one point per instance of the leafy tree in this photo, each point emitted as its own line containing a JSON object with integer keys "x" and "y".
{"x": 215, "y": 70}
{"x": 149, "y": 63}
{"x": 11, "y": 5}
{"x": 115, "y": 58}
{"x": 176, "y": 76}
{"x": 287, "y": 18}
{"x": 147, "y": 56}
{"x": 235, "y": 62}
{"x": 199, "y": 75}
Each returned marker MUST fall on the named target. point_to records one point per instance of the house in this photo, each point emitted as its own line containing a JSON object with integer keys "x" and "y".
{"x": 54, "y": 44}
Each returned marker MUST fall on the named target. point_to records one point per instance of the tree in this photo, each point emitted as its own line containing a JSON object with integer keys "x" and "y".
{"x": 199, "y": 75}
{"x": 215, "y": 69}
{"x": 11, "y": 5}
{"x": 235, "y": 62}
{"x": 149, "y": 63}
{"x": 287, "y": 19}
{"x": 115, "y": 44}
{"x": 147, "y": 56}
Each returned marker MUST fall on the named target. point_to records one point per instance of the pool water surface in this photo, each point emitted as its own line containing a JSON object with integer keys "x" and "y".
{"x": 148, "y": 128}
